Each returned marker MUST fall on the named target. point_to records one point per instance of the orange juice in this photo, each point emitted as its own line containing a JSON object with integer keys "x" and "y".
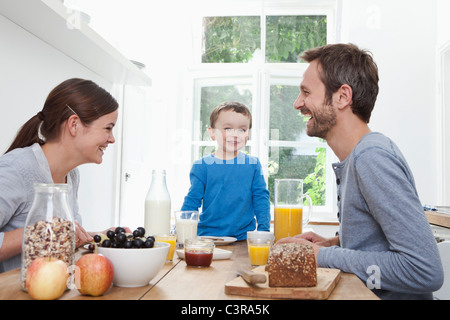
{"x": 259, "y": 253}
{"x": 288, "y": 222}
{"x": 170, "y": 239}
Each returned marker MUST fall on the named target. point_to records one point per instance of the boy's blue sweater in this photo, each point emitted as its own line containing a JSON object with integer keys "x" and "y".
{"x": 233, "y": 196}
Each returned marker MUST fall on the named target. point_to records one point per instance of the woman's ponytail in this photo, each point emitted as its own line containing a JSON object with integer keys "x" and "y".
{"x": 28, "y": 134}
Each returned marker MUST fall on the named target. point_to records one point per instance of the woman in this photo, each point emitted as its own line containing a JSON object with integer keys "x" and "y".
{"x": 74, "y": 127}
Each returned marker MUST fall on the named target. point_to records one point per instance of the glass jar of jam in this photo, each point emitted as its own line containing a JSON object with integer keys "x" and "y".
{"x": 198, "y": 252}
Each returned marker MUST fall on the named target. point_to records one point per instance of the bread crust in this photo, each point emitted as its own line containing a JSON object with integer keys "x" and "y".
{"x": 292, "y": 265}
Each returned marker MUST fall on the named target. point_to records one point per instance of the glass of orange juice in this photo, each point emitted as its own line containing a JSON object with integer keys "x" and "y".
{"x": 259, "y": 243}
{"x": 289, "y": 217}
{"x": 170, "y": 239}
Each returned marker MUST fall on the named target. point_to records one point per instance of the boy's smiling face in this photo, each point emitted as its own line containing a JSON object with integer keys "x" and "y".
{"x": 231, "y": 133}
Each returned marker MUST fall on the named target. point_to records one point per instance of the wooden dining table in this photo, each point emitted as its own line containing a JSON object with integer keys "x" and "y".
{"x": 177, "y": 281}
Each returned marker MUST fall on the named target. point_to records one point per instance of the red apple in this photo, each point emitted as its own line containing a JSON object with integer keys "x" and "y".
{"x": 46, "y": 278}
{"x": 94, "y": 274}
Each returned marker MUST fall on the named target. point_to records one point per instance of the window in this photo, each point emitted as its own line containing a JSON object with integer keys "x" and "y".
{"x": 254, "y": 58}
{"x": 230, "y": 39}
{"x": 288, "y": 36}
{"x": 237, "y": 39}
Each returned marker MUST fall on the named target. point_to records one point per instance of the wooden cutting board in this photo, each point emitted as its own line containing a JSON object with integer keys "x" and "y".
{"x": 438, "y": 218}
{"x": 326, "y": 281}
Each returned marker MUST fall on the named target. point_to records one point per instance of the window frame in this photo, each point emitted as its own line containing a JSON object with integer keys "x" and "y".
{"x": 260, "y": 76}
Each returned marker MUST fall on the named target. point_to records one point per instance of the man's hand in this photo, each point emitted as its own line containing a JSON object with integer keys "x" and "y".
{"x": 314, "y": 240}
{"x": 319, "y": 240}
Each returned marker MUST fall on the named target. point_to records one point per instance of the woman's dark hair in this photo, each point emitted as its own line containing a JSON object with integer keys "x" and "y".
{"x": 74, "y": 96}
{"x": 346, "y": 64}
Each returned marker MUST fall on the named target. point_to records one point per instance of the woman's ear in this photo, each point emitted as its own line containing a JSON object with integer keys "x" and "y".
{"x": 73, "y": 124}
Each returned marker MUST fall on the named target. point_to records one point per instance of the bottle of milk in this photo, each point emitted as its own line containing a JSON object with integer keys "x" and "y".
{"x": 157, "y": 205}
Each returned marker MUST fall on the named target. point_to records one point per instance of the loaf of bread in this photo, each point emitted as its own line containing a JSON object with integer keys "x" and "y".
{"x": 292, "y": 265}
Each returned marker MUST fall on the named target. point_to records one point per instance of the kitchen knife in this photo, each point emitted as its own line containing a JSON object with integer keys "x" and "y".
{"x": 252, "y": 277}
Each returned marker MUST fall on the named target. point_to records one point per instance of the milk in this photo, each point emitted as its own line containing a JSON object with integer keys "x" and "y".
{"x": 186, "y": 229}
{"x": 157, "y": 205}
{"x": 157, "y": 217}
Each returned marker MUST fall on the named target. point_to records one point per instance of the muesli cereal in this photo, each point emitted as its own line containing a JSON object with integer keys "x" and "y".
{"x": 55, "y": 238}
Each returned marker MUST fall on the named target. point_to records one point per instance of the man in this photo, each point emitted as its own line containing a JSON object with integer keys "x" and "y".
{"x": 384, "y": 236}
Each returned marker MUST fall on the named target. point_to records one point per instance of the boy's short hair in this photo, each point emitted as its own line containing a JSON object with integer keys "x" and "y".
{"x": 226, "y": 106}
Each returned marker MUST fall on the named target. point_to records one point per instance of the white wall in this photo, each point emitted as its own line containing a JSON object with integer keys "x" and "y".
{"x": 443, "y": 22}
{"x": 30, "y": 69}
{"x": 402, "y": 35}
{"x": 443, "y": 44}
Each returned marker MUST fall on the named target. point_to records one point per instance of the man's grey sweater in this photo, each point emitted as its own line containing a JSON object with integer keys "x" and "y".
{"x": 385, "y": 238}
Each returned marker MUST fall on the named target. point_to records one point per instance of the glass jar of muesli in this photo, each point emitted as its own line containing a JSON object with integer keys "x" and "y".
{"x": 49, "y": 229}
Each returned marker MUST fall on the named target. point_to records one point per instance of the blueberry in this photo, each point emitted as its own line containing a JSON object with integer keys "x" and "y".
{"x": 138, "y": 243}
{"x": 136, "y": 233}
{"x": 142, "y": 231}
{"x": 110, "y": 234}
{"x": 97, "y": 238}
{"x": 120, "y": 230}
{"x": 116, "y": 245}
{"x": 106, "y": 243}
{"x": 121, "y": 237}
{"x": 149, "y": 243}
{"x": 128, "y": 244}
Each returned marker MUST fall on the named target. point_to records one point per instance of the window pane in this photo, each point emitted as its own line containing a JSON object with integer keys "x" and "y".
{"x": 230, "y": 39}
{"x": 286, "y": 123}
{"x": 287, "y": 37}
{"x": 299, "y": 163}
{"x": 211, "y": 97}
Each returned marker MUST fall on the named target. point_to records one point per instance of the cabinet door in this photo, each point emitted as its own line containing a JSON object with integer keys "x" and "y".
{"x": 135, "y": 176}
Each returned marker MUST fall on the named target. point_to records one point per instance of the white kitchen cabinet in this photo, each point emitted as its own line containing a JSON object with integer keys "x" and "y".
{"x": 59, "y": 26}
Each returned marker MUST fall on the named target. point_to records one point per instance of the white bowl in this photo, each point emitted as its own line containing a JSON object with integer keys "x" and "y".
{"x": 136, "y": 267}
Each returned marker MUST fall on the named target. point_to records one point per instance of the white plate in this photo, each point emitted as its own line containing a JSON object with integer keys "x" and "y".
{"x": 218, "y": 254}
{"x": 220, "y": 241}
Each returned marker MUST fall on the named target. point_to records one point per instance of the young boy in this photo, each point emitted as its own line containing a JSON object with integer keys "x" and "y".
{"x": 228, "y": 184}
